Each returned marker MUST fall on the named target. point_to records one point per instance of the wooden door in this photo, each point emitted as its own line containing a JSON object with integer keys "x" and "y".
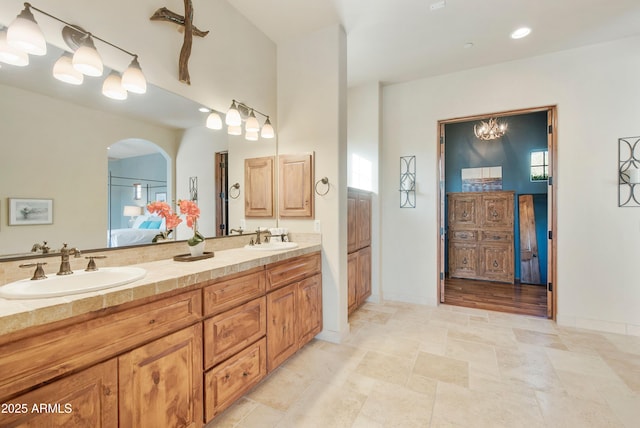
{"x": 352, "y": 281}
{"x": 497, "y": 210}
{"x": 309, "y": 308}
{"x": 463, "y": 258}
{"x": 161, "y": 382}
{"x": 463, "y": 211}
{"x": 258, "y": 183}
{"x": 222, "y": 197}
{"x": 529, "y": 261}
{"x": 282, "y": 336}
{"x": 496, "y": 262}
{"x": 88, "y": 398}
{"x": 296, "y": 183}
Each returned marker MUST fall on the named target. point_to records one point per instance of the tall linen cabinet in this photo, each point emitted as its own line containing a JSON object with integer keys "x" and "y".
{"x": 358, "y": 247}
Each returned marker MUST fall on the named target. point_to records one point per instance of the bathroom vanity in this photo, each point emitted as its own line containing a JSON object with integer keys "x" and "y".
{"x": 175, "y": 348}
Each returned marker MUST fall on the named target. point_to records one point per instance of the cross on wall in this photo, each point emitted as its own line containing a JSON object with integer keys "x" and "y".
{"x": 164, "y": 14}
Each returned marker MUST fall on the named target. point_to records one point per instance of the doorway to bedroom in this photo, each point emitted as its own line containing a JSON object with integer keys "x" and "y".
{"x": 497, "y": 211}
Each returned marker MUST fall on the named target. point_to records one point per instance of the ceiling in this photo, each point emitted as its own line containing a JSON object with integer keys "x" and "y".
{"x": 392, "y": 41}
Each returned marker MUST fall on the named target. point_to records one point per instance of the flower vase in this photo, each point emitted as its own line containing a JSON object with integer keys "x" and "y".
{"x": 197, "y": 250}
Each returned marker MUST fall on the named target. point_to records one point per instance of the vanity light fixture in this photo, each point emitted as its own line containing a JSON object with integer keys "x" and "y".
{"x": 233, "y": 116}
{"x": 234, "y": 119}
{"x": 137, "y": 191}
{"x": 25, "y": 36}
{"x": 64, "y": 71}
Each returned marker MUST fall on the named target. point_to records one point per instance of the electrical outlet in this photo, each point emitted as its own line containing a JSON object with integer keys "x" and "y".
{"x": 316, "y": 226}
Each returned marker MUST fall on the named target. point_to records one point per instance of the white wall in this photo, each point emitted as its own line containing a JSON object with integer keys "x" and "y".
{"x": 597, "y": 91}
{"x": 312, "y": 99}
{"x": 364, "y": 140}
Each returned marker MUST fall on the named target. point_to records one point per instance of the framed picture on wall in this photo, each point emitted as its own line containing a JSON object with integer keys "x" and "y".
{"x": 23, "y": 212}
{"x": 161, "y": 196}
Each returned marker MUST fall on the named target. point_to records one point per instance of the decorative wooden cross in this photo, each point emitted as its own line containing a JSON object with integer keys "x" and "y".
{"x": 164, "y": 14}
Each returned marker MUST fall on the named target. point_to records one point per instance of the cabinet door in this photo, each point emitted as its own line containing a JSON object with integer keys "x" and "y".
{"x": 497, "y": 210}
{"x": 463, "y": 260}
{"x": 258, "y": 186}
{"x": 496, "y": 262}
{"x": 88, "y": 398}
{"x": 295, "y": 194}
{"x": 364, "y": 275}
{"x": 363, "y": 209}
{"x": 282, "y": 336}
{"x": 352, "y": 222}
{"x": 352, "y": 280}
{"x": 161, "y": 382}
{"x": 309, "y": 308}
{"x": 463, "y": 211}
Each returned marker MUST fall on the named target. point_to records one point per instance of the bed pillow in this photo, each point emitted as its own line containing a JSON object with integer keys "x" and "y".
{"x": 154, "y": 224}
{"x": 145, "y": 224}
{"x": 139, "y": 220}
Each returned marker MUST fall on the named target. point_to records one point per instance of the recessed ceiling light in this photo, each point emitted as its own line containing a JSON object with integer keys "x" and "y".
{"x": 468, "y": 45}
{"x": 437, "y": 5}
{"x": 204, "y": 110}
{"x": 520, "y": 33}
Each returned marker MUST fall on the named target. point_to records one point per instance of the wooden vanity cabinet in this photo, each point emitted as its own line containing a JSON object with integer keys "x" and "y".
{"x": 358, "y": 247}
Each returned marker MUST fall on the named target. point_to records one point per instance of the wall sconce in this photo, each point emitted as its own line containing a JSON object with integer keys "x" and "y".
{"x": 490, "y": 130}
{"x": 137, "y": 191}
{"x": 407, "y": 182}
{"x": 132, "y": 211}
{"x": 629, "y": 172}
{"x": 24, "y": 37}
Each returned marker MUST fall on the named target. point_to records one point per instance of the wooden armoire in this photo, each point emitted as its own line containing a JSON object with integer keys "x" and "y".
{"x": 358, "y": 247}
{"x": 480, "y": 233}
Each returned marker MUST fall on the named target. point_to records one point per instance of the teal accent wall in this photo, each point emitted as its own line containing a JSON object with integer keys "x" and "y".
{"x": 526, "y": 133}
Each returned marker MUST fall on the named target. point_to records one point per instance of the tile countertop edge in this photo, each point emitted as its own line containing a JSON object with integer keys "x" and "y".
{"x": 162, "y": 276}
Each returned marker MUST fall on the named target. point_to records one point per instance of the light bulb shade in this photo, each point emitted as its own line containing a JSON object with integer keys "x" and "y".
{"x": 11, "y": 55}
{"x": 112, "y": 87}
{"x": 234, "y": 130}
{"x": 133, "y": 79}
{"x": 233, "y": 116}
{"x": 87, "y": 60}
{"x": 252, "y": 123}
{"x": 63, "y": 70}
{"x": 251, "y": 135}
{"x": 25, "y": 34}
{"x": 267, "y": 130}
{"x": 214, "y": 121}
{"x": 132, "y": 210}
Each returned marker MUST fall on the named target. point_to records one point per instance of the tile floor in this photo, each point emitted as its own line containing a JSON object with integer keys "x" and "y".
{"x": 416, "y": 366}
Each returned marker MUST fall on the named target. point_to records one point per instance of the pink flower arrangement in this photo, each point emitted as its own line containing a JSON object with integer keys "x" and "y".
{"x": 187, "y": 208}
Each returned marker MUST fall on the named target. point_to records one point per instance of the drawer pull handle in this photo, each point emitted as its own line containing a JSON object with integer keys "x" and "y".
{"x": 226, "y": 377}
{"x": 465, "y": 214}
{"x": 464, "y": 261}
{"x": 152, "y": 321}
{"x": 245, "y": 374}
{"x": 495, "y": 263}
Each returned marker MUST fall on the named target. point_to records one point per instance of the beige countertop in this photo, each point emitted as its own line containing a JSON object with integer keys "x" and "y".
{"x": 162, "y": 276}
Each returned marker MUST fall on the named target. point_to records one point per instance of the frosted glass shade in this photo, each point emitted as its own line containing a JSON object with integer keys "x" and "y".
{"x": 87, "y": 60}
{"x": 133, "y": 79}
{"x": 11, "y": 55}
{"x": 25, "y": 34}
{"x": 214, "y": 121}
{"x": 234, "y": 130}
{"x": 267, "y": 130}
{"x": 63, "y": 70}
{"x": 251, "y": 135}
{"x": 252, "y": 124}
{"x": 112, "y": 87}
{"x": 233, "y": 116}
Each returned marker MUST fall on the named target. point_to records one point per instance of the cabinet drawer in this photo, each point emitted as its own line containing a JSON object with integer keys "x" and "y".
{"x": 496, "y": 236}
{"x": 229, "y": 332}
{"x": 36, "y": 359}
{"x": 283, "y": 273}
{"x": 464, "y": 235}
{"x": 231, "y": 379}
{"x": 227, "y": 294}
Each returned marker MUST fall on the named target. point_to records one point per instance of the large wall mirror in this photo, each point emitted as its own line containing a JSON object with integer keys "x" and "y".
{"x": 67, "y": 144}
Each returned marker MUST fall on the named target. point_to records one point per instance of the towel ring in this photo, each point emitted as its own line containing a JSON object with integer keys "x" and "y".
{"x": 325, "y": 181}
{"x": 237, "y": 187}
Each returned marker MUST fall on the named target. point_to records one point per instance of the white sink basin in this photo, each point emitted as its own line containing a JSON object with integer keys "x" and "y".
{"x": 78, "y": 282}
{"x": 272, "y": 246}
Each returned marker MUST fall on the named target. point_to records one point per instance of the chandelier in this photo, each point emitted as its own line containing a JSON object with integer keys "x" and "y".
{"x": 489, "y": 130}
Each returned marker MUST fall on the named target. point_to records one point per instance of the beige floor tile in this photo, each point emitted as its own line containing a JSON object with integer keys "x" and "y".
{"x": 390, "y": 405}
{"x": 385, "y": 367}
{"x": 234, "y": 414}
{"x": 280, "y": 389}
{"x": 529, "y": 366}
{"x": 563, "y": 411}
{"x": 531, "y": 337}
{"x": 626, "y": 366}
{"x": 261, "y": 416}
{"x": 577, "y": 362}
{"x": 441, "y": 368}
{"x": 626, "y": 406}
{"x": 458, "y": 406}
{"x": 484, "y": 333}
{"x": 479, "y": 356}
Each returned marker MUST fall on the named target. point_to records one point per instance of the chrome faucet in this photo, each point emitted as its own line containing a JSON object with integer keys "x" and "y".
{"x": 65, "y": 266}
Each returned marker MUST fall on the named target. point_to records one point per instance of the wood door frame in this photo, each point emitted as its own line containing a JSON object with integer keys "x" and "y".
{"x": 552, "y": 202}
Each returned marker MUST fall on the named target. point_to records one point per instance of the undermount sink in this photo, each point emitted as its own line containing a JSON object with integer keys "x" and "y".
{"x": 78, "y": 282}
{"x": 272, "y": 246}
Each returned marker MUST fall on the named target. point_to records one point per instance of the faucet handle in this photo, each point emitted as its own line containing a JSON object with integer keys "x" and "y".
{"x": 39, "y": 272}
{"x": 91, "y": 266}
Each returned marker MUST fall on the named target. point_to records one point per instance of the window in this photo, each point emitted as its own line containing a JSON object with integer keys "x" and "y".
{"x": 540, "y": 165}
{"x": 361, "y": 173}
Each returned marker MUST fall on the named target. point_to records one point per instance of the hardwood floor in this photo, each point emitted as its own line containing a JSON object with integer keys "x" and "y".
{"x": 516, "y": 298}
